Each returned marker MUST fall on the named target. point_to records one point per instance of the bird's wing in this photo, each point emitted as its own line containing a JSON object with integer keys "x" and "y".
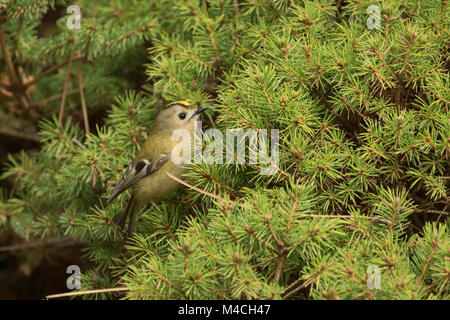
{"x": 135, "y": 172}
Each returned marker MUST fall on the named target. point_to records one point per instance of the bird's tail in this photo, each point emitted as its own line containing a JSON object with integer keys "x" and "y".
{"x": 130, "y": 211}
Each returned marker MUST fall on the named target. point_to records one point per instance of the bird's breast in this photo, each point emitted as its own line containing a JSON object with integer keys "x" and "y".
{"x": 158, "y": 184}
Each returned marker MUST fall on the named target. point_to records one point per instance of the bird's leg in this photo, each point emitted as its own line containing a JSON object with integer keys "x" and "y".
{"x": 133, "y": 219}
{"x": 120, "y": 218}
{"x": 133, "y": 212}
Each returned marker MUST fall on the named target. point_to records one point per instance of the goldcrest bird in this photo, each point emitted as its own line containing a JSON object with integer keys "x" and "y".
{"x": 146, "y": 174}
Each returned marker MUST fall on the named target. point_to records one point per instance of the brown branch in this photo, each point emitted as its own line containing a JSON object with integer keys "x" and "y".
{"x": 77, "y": 293}
{"x": 444, "y": 3}
{"x": 291, "y": 215}
{"x": 313, "y": 278}
{"x": 264, "y": 262}
{"x": 59, "y": 242}
{"x": 236, "y": 9}
{"x": 374, "y": 219}
{"x": 432, "y": 211}
{"x": 44, "y": 101}
{"x": 405, "y": 63}
{"x": 129, "y": 34}
{"x": 278, "y": 241}
{"x": 15, "y": 80}
{"x": 279, "y": 268}
{"x": 21, "y": 11}
{"x": 212, "y": 195}
{"x": 51, "y": 70}
{"x": 386, "y": 29}
{"x": 427, "y": 263}
{"x": 170, "y": 283}
{"x": 83, "y": 100}
{"x": 16, "y": 38}
{"x": 5, "y": 92}
{"x": 293, "y": 284}
{"x": 188, "y": 54}
{"x": 305, "y": 284}
{"x": 66, "y": 83}
{"x": 414, "y": 12}
{"x": 383, "y": 61}
{"x": 19, "y": 134}
{"x": 211, "y": 120}
{"x": 221, "y": 186}
{"x": 8, "y": 60}
{"x": 171, "y": 77}
{"x": 213, "y": 43}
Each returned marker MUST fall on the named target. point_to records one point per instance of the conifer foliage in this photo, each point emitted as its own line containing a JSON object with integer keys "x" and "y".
{"x": 359, "y": 205}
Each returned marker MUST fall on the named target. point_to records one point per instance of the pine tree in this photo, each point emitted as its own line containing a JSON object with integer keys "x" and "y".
{"x": 362, "y": 187}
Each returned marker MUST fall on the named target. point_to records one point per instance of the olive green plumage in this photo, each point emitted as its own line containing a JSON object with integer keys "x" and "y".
{"x": 147, "y": 174}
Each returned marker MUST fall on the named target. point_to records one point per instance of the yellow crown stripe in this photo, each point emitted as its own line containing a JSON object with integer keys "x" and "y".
{"x": 184, "y": 103}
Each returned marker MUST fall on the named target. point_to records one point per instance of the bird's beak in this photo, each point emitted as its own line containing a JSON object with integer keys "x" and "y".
{"x": 199, "y": 111}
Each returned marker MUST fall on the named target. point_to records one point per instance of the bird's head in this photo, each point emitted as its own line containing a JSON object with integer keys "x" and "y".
{"x": 178, "y": 115}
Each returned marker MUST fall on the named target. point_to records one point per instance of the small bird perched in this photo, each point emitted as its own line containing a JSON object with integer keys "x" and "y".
{"x": 147, "y": 172}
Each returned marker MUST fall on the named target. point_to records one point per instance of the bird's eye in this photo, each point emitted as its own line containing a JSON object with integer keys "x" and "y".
{"x": 182, "y": 115}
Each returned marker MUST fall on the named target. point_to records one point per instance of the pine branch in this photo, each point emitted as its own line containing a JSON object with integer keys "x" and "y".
{"x": 79, "y": 293}
{"x": 52, "y": 70}
{"x": 83, "y": 100}
{"x": 66, "y": 83}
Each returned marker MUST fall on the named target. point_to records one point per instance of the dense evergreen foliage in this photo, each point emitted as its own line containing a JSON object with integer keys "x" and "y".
{"x": 363, "y": 116}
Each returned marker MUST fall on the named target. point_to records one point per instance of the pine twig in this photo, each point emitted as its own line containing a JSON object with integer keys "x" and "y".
{"x": 16, "y": 81}
{"x": 291, "y": 215}
{"x": 16, "y": 38}
{"x": 236, "y": 9}
{"x": 427, "y": 263}
{"x": 333, "y": 216}
{"x": 8, "y": 59}
{"x": 5, "y": 92}
{"x": 432, "y": 211}
{"x": 19, "y": 134}
{"x": 66, "y": 82}
{"x": 293, "y": 284}
{"x": 52, "y": 70}
{"x": 59, "y": 242}
{"x": 47, "y": 100}
{"x": 78, "y": 293}
{"x": 83, "y": 100}
{"x": 212, "y": 195}
{"x": 279, "y": 268}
